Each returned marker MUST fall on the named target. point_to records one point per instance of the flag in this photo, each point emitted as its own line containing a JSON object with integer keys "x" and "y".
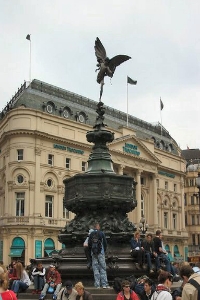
{"x": 161, "y": 104}
{"x": 131, "y": 81}
{"x": 28, "y": 37}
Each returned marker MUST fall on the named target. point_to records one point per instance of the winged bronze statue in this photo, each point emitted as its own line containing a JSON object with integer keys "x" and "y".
{"x": 106, "y": 66}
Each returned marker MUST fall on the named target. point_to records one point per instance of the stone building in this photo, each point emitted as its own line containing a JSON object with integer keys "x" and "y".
{"x": 43, "y": 141}
{"x": 192, "y": 201}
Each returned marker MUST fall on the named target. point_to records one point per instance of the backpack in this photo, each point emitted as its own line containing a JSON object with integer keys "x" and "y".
{"x": 96, "y": 245}
{"x": 117, "y": 284}
{"x": 196, "y": 285}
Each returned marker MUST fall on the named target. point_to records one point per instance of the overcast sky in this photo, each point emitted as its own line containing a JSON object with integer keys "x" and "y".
{"x": 161, "y": 36}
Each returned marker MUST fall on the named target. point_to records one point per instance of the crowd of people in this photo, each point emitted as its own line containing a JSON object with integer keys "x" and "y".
{"x": 148, "y": 251}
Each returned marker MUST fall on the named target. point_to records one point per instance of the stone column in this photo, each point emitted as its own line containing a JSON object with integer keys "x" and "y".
{"x": 138, "y": 195}
{"x": 120, "y": 169}
{"x": 8, "y": 188}
{"x": 154, "y": 202}
{"x": 37, "y": 207}
{"x": 182, "y": 218}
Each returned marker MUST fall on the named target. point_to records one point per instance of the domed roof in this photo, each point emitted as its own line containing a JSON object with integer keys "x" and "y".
{"x": 193, "y": 168}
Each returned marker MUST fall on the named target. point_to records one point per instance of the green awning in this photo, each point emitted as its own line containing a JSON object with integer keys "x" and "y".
{"x": 48, "y": 251}
{"x": 170, "y": 257}
{"x": 16, "y": 252}
{"x": 177, "y": 254}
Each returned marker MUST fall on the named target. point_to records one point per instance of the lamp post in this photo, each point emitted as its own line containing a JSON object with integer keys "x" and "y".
{"x": 143, "y": 226}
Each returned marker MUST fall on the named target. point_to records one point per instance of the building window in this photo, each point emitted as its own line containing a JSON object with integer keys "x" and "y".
{"x": 198, "y": 238}
{"x": 186, "y": 223}
{"x": 49, "y": 206}
{"x": 185, "y": 199}
{"x": 20, "y": 179}
{"x": 49, "y": 108}
{"x": 50, "y": 159}
{"x": 197, "y": 220}
{"x": 192, "y": 200}
{"x": 84, "y": 166}
{"x": 165, "y": 220}
{"x": 142, "y": 207}
{"x": 174, "y": 221}
{"x": 20, "y": 198}
{"x": 157, "y": 183}
{"x": 193, "y": 219}
{"x": 175, "y": 187}
{"x": 20, "y": 154}
{"x": 143, "y": 180}
{"x": 191, "y": 182}
{"x": 65, "y": 213}
{"x": 193, "y": 239}
{"x": 49, "y": 182}
{"x": 67, "y": 163}
{"x": 166, "y": 185}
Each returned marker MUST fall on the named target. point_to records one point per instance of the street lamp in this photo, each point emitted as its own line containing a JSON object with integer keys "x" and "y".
{"x": 198, "y": 186}
{"x": 143, "y": 226}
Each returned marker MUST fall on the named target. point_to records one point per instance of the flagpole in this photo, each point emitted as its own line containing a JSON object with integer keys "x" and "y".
{"x": 161, "y": 116}
{"x": 127, "y": 104}
{"x": 28, "y": 37}
{"x": 30, "y": 63}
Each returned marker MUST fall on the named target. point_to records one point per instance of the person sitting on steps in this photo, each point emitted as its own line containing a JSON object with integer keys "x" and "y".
{"x": 149, "y": 250}
{"x": 22, "y": 282}
{"x": 137, "y": 251}
{"x": 38, "y": 278}
{"x": 67, "y": 292}
{"x": 53, "y": 279}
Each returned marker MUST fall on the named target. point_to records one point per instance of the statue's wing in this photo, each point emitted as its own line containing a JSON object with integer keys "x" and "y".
{"x": 100, "y": 51}
{"x": 117, "y": 60}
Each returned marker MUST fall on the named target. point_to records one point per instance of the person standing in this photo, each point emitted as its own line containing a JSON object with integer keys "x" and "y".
{"x": 161, "y": 253}
{"x": 82, "y": 293}
{"x": 23, "y": 281}
{"x": 97, "y": 244}
{"x": 87, "y": 250}
{"x": 53, "y": 279}
{"x": 192, "y": 283}
{"x": 162, "y": 292}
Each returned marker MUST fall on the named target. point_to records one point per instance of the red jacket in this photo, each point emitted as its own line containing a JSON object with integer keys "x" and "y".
{"x": 8, "y": 295}
{"x": 133, "y": 296}
{"x": 53, "y": 277}
{"x": 13, "y": 275}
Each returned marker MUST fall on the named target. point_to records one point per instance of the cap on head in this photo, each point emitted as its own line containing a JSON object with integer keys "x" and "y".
{"x": 51, "y": 266}
{"x": 68, "y": 285}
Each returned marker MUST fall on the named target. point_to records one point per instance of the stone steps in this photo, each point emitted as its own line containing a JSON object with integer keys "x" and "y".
{"x": 98, "y": 294}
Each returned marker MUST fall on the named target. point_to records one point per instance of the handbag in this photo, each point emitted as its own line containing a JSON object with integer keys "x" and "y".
{"x": 50, "y": 289}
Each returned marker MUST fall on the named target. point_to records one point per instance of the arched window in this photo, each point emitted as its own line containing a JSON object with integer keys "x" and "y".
{"x": 49, "y": 246}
